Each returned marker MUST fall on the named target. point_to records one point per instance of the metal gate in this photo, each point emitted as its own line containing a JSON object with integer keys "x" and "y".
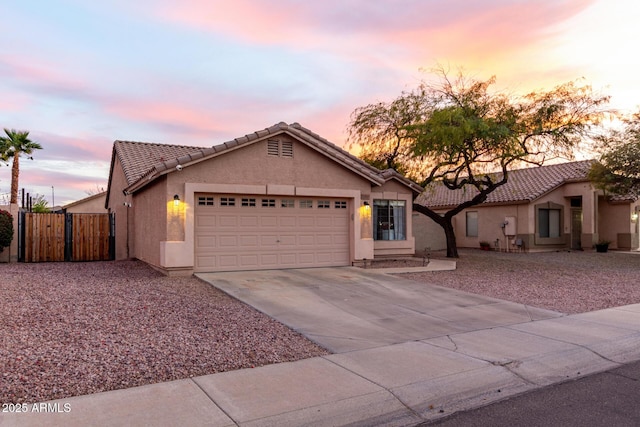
{"x": 46, "y": 237}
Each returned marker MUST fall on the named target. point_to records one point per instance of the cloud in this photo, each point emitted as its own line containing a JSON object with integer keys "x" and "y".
{"x": 41, "y": 78}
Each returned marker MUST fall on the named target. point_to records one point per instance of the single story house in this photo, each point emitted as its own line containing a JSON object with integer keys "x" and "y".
{"x": 94, "y": 203}
{"x": 282, "y": 197}
{"x": 542, "y": 208}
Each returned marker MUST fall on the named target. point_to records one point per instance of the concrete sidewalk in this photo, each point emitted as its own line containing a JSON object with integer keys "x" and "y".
{"x": 400, "y": 383}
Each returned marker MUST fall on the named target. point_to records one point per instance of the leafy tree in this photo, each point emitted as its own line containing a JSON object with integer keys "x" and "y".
{"x": 6, "y": 229}
{"x": 459, "y": 134}
{"x": 12, "y": 146}
{"x": 40, "y": 204}
{"x": 618, "y": 168}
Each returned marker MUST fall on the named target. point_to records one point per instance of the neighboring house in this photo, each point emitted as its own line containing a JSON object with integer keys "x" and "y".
{"x": 282, "y": 197}
{"x": 542, "y": 208}
{"x": 92, "y": 204}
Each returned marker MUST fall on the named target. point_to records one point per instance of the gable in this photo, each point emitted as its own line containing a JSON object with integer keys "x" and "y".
{"x": 281, "y": 160}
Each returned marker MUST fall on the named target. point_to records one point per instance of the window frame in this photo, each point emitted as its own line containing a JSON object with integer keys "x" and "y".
{"x": 390, "y": 232}
{"x": 469, "y": 230}
{"x": 543, "y": 234}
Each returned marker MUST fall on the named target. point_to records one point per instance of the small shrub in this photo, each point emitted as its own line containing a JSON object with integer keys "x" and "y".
{"x": 6, "y": 229}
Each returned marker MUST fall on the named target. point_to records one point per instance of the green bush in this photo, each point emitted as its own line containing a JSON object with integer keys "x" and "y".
{"x": 6, "y": 229}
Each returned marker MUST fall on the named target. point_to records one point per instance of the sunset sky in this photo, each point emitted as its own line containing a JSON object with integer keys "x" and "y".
{"x": 80, "y": 74}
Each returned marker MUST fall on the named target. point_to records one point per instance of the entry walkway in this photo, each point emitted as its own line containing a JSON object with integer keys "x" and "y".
{"x": 403, "y": 353}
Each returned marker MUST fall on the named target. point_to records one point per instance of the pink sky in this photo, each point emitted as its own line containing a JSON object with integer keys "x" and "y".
{"x": 201, "y": 72}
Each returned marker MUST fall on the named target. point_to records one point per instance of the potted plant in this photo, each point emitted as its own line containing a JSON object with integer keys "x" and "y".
{"x": 485, "y": 246}
{"x": 602, "y": 245}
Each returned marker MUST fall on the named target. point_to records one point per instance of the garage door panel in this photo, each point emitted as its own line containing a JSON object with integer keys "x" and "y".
{"x": 306, "y": 221}
{"x": 306, "y": 240}
{"x": 269, "y": 242}
{"x": 226, "y": 261}
{"x": 226, "y": 221}
{"x": 287, "y": 240}
{"x": 288, "y": 259}
{"x": 268, "y": 260}
{"x": 248, "y": 221}
{"x": 306, "y": 258}
{"x": 324, "y": 239}
{"x": 228, "y": 241}
{"x": 206, "y": 221}
{"x": 324, "y": 257}
{"x": 249, "y": 260}
{"x": 268, "y": 221}
{"x": 206, "y": 262}
{"x": 287, "y": 221}
{"x": 205, "y": 241}
{"x": 325, "y": 222}
{"x": 339, "y": 240}
{"x": 248, "y": 242}
{"x": 266, "y": 237}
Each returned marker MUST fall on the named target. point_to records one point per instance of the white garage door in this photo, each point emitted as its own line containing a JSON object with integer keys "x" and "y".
{"x": 260, "y": 232}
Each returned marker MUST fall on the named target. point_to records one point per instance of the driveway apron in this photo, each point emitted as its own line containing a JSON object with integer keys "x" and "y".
{"x": 348, "y": 308}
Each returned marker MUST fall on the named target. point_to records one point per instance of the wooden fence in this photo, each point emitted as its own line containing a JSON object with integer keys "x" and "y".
{"x": 48, "y": 237}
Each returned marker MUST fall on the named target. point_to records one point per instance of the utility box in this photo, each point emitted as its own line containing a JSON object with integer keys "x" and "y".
{"x": 510, "y": 226}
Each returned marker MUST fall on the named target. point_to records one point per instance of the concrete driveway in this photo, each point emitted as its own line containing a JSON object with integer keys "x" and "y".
{"x": 348, "y": 308}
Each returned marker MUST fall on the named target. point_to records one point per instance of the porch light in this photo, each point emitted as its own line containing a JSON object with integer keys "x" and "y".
{"x": 176, "y": 200}
{"x": 366, "y": 204}
{"x": 634, "y": 216}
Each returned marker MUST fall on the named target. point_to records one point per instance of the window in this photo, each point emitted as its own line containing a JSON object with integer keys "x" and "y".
{"x": 306, "y": 204}
{"x": 389, "y": 219}
{"x": 268, "y": 203}
{"x": 205, "y": 201}
{"x": 287, "y": 203}
{"x": 248, "y": 202}
{"x": 472, "y": 224}
{"x": 227, "y": 201}
{"x": 324, "y": 204}
{"x": 549, "y": 223}
{"x": 340, "y": 205}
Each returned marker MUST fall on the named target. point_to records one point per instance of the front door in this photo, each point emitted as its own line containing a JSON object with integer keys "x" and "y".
{"x": 576, "y": 228}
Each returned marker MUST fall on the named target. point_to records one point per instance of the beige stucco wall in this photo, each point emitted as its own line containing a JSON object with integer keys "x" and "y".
{"x": 427, "y": 234}
{"x": 490, "y": 219}
{"x": 616, "y": 225}
{"x": 91, "y": 204}
{"x": 151, "y": 221}
{"x": 122, "y": 206}
{"x": 248, "y": 170}
{"x": 10, "y": 254}
{"x": 249, "y": 165}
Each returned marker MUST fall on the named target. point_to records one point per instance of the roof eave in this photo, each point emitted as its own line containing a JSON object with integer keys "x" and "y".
{"x": 170, "y": 166}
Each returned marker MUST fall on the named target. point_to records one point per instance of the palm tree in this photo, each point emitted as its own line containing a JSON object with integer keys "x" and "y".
{"x": 11, "y": 146}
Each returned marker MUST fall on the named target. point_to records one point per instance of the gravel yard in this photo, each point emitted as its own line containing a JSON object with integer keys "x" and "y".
{"x": 568, "y": 282}
{"x": 69, "y": 329}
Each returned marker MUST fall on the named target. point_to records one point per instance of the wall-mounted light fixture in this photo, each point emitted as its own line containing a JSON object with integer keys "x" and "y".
{"x": 176, "y": 200}
{"x": 366, "y": 204}
{"x": 634, "y": 216}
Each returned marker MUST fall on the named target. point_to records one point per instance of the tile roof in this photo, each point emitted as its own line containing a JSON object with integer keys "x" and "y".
{"x": 144, "y": 162}
{"x": 137, "y": 158}
{"x": 523, "y": 185}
